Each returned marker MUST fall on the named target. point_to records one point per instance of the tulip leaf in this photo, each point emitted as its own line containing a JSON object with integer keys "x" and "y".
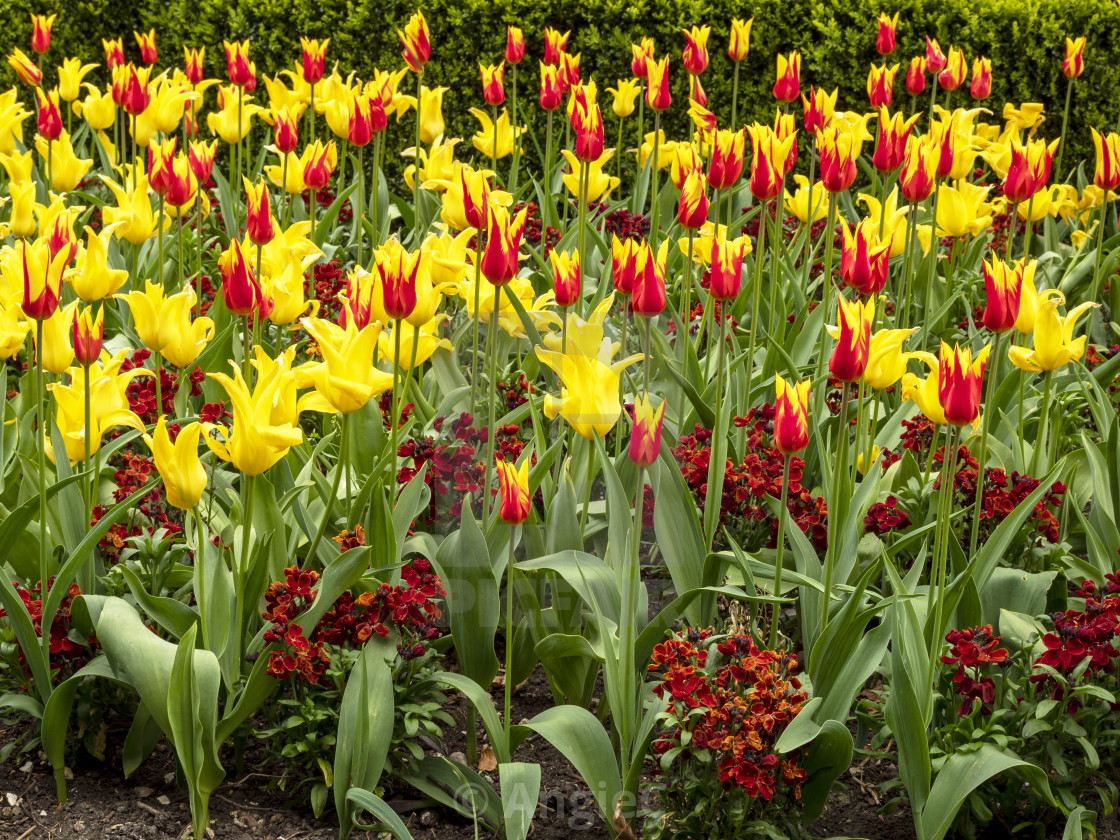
{"x": 387, "y": 818}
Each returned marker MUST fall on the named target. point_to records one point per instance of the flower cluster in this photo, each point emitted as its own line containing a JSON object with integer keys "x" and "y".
{"x": 973, "y": 648}
{"x": 1090, "y": 634}
{"x": 67, "y": 655}
{"x": 408, "y": 608}
{"x": 141, "y": 392}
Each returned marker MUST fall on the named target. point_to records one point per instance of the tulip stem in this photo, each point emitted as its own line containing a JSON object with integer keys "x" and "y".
{"x": 684, "y": 321}
{"x": 200, "y": 573}
{"x": 826, "y": 284}
{"x": 375, "y": 197}
{"x": 159, "y": 384}
{"x": 41, "y": 411}
{"x": 941, "y": 556}
{"x": 243, "y": 567}
{"x": 646, "y": 353}
{"x": 246, "y": 352}
{"x": 311, "y": 269}
{"x": 587, "y": 489}
{"x": 509, "y": 637}
{"x": 328, "y": 502}
{"x": 775, "y": 249}
{"x": 284, "y": 190}
{"x": 477, "y": 317}
{"x": 398, "y": 397}
{"x": 839, "y": 468}
{"x": 638, "y": 167}
{"x": 783, "y": 513}
{"x": 547, "y": 210}
{"x": 1028, "y": 229}
{"x": 240, "y": 101}
{"x": 492, "y": 343}
{"x": 735, "y": 101}
{"x": 516, "y": 153}
{"x": 361, "y": 199}
{"x": 182, "y": 273}
{"x": 89, "y": 486}
{"x": 1043, "y": 422}
{"x": 1063, "y": 135}
{"x": 756, "y": 292}
{"x": 198, "y": 233}
{"x": 653, "y": 231}
{"x": 1095, "y": 286}
{"x": 416, "y": 178}
{"x": 161, "y": 203}
{"x": 982, "y": 461}
{"x": 581, "y": 239}
{"x": 1011, "y": 229}
{"x": 713, "y": 500}
{"x": 907, "y": 286}
{"x": 618, "y": 155}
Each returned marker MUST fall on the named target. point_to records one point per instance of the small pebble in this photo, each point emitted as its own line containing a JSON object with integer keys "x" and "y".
{"x": 459, "y": 757}
{"x": 163, "y": 800}
{"x": 79, "y": 827}
{"x": 143, "y": 792}
{"x": 427, "y": 818}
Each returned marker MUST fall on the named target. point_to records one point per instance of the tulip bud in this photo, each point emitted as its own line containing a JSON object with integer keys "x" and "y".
{"x": 1003, "y": 289}
{"x": 894, "y": 133}
{"x": 738, "y": 48}
{"x": 398, "y": 269}
{"x": 1106, "y": 175}
{"x": 864, "y": 260}
{"x": 147, "y": 43}
{"x": 1073, "y": 65}
{"x": 885, "y": 39}
{"x": 22, "y": 221}
{"x": 952, "y": 77}
{"x": 42, "y": 279}
{"x": 791, "y": 416}
{"x": 639, "y": 53}
{"x": 201, "y": 158}
{"x": 415, "y": 42}
{"x": 515, "y": 45}
{"x": 569, "y": 71}
{"x": 692, "y": 211}
{"x": 261, "y": 228}
{"x": 238, "y": 67}
{"x": 935, "y": 59}
{"x": 838, "y": 153}
{"x": 192, "y": 64}
{"x": 658, "y": 96}
{"x": 314, "y": 59}
{"x": 727, "y": 268}
{"x": 981, "y": 86}
{"x": 26, "y": 69}
{"x": 1029, "y": 170}
{"x": 624, "y": 254}
{"x": 919, "y": 168}
{"x": 565, "y": 277}
{"x": 551, "y": 94}
{"x": 648, "y": 289}
{"x": 728, "y": 154}
{"x": 554, "y": 45}
{"x": 88, "y": 335}
{"x": 502, "y": 256}
{"x": 50, "y": 118}
{"x": 182, "y": 185}
{"x": 916, "y": 75}
{"x": 240, "y": 289}
{"x": 645, "y": 438}
{"x": 493, "y": 89}
{"x": 959, "y": 383}
{"x": 41, "y": 32}
{"x": 768, "y": 162}
{"x": 114, "y": 53}
{"x": 178, "y": 464}
{"x": 135, "y": 96}
{"x": 587, "y": 123}
{"x": 361, "y": 122}
{"x": 161, "y": 158}
{"x": 319, "y": 164}
{"x": 513, "y": 486}
{"x": 788, "y": 85}
{"x": 819, "y": 108}
{"x": 853, "y": 344}
{"x": 695, "y": 56}
{"x": 880, "y": 85}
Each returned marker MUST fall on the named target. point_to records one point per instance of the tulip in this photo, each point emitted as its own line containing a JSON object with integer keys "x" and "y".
{"x": 467, "y": 199}
{"x": 56, "y": 352}
{"x": 398, "y": 271}
{"x": 201, "y": 159}
{"x": 493, "y": 90}
{"x": 880, "y": 85}
{"x": 959, "y": 383}
{"x": 178, "y": 464}
{"x": 864, "y": 261}
{"x": 314, "y": 59}
{"x": 962, "y": 211}
{"x": 97, "y": 109}
{"x": 625, "y": 97}
{"x": 935, "y": 59}
{"x": 839, "y": 148}
{"x": 147, "y": 43}
{"x": 363, "y": 116}
{"x": 727, "y": 267}
{"x": 853, "y": 339}
{"x": 788, "y": 85}
{"x": 767, "y": 162}
{"x": 415, "y": 42}
{"x": 513, "y": 485}
{"x": 50, "y": 119}
{"x": 108, "y": 408}
{"x": 161, "y": 157}
{"x": 551, "y": 95}
{"x": 894, "y": 135}
{"x": 728, "y": 152}
{"x": 13, "y": 328}
{"x": 555, "y": 44}
{"x": 692, "y": 210}
{"x": 648, "y": 287}
{"x": 924, "y": 392}
{"x": 686, "y": 160}
{"x": 153, "y": 313}
{"x": 1029, "y": 170}
{"x": 590, "y": 386}
{"x": 504, "y": 134}
{"x": 182, "y": 185}
{"x": 785, "y": 129}
{"x": 1106, "y": 175}
{"x": 1003, "y": 288}
{"x": 956, "y": 68}
{"x": 89, "y": 333}
{"x": 41, "y": 32}
{"x": 264, "y": 419}
{"x": 431, "y": 113}
{"x": 259, "y": 222}
{"x": 981, "y": 85}
{"x": 916, "y": 75}
{"x": 114, "y": 53}
{"x": 695, "y": 56}
{"x": 70, "y": 76}
{"x": 515, "y": 45}
{"x": 645, "y": 439}
{"x": 193, "y": 60}
{"x": 566, "y": 277}
{"x": 92, "y": 279}
{"x": 346, "y": 379}
{"x": 183, "y": 339}
{"x": 568, "y": 73}
{"x": 22, "y": 221}
{"x": 66, "y": 169}
{"x": 886, "y": 361}
{"x": 26, "y": 70}
{"x": 438, "y": 164}
{"x": 639, "y": 53}
{"x": 133, "y": 216}
{"x": 624, "y": 255}
{"x": 587, "y": 123}
{"x": 1054, "y": 344}
{"x": 885, "y": 38}
{"x": 740, "y": 44}
{"x": 502, "y": 256}
{"x": 318, "y": 163}
{"x": 240, "y": 289}
{"x": 819, "y": 108}
{"x": 42, "y": 278}
{"x": 135, "y": 95}
{"x": 791, "y": 416}
{"x": 1073, "y": 65}
{"x": 919, "y": 168}
{"x": 807, "y": 201}
{"x": 658, "y": 96}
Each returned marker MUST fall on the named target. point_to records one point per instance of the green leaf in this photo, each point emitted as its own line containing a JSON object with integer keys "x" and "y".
{"x": 387, "y": 818}
{"x": 521, "y": 784}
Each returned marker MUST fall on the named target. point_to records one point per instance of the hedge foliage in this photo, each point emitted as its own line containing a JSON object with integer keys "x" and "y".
{"x": 1024, "y": 39}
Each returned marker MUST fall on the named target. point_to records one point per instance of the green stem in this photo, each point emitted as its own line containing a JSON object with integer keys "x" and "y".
{"x": 161, "y": 203}
{"x": 826, "y": 287}
{"x": 944, "y": 523}
{"x": 775, "y": 250}
{"x": 908, "y": 287}
{"x": 328, "y": 503}
{"x": 653, "y": 231}
{"x": 982, "y": 461}
{"x": 200, "y": 573}
{"x": 375, "y": 196}
{"x": 783, "y": 513}
{"x": 41, "y": 413}
{"x": 506, "y": 720}
{"x": 838, "y": 469}
{"x": 756, "y": 293}
{"x": 398, "y": 400}
{"x": 198, "y": 233}
{"x": 516, "y": 156}
{"x": 735, "y": 101}
{"x": 156, "y": 359}
{"x": 548, "y": 213}
{"x": 1043, "y": 423}
{"x": 1063, "y": 135}
{"x": 492, "y": 421}
{"x": 587, "y": 488}
{"x": 416, "y": 177}
{"x": 243, "y": 567}
{"x": 361, "y": 200}
{"x": 477, "y": 317}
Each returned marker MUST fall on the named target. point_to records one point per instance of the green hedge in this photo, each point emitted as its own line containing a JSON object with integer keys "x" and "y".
{"x": 1024, "y": 39}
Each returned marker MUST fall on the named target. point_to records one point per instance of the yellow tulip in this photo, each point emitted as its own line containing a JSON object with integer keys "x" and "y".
{"x": 806, "y": 200}
{"x": 537, "y": 308}
{"x": 666, "y": 150}
{"x": 436, "y": 165}
{"x": 13, "y": 327}
{"x": 586, "y": 337}
{"x": 924, "y": 392}
{"x": 1054, "y": 344}
{"x": 57, "y": 351}
{"x": 1028, "y": 300}
{"x": 599, "y": 183}
{"x": 224, "y": 122}
{"x": 625, "y": 97}
{"x": 12, "y": 115}
{"x": 158, "y": 319}
{"x": 98, "y": 109}
{"x": 426, "y": 338}
{"x": 70, "y": 76}
{"x": 450, "y": 261}
{"x": 886, "y": 360}
{"x": 286, "y": 293}
{"x": 184, "y": 338}
{"x": 184, "y": 477}
{"x": 1027, "y": 117}
{"x": 1055, "y": 200}
{"x": 962, "y": 210}
{"x": 431, "y": 113}
{"x": 505, "y": 135}
{"x": 294, "y": 183}
{"x": 20, "y": 167}
{"x": 346, "y": 379}
{"x": 264, "y": 419}
{"x": 455, "y": 194}
{"x": 589, "y": 397}
{"x": 92, "y": 279}
{"x": 108, "y": 405}
{"x": 280, "y": 97}
{"x": 66, "y": 168}
{"x": 133, "y": 216}
{"x": 894, "y": 225}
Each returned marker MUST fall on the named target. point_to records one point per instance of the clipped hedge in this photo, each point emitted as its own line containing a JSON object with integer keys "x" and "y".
{"x": 836, "y": 37}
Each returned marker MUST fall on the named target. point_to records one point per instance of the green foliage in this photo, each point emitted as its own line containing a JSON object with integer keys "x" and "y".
{"x": 1025, "y": 42}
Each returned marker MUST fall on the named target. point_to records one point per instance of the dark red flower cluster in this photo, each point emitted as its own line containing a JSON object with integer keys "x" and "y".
{"x": 746, "y": 485}
{"x": 1096, "y": 356}
{"x": 738, "y": 711}
{"x": 1078, "y": 635}
{"x": 133, "y": 473}
{"x": 385, "y": 404}
{"x": 534, "y": 225}
{"x": 917, "y": 436}
{"x": 621, "y": 223}
{"x": 973, "y": 648}
{"x": 141, "y": 391}
{"x": 351, "y": 539}
{"x": 409, "y": 609}
{"x": 67, "y": 656}
{"x": 884, "y": 517}
{"x": 330, "y": 282}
